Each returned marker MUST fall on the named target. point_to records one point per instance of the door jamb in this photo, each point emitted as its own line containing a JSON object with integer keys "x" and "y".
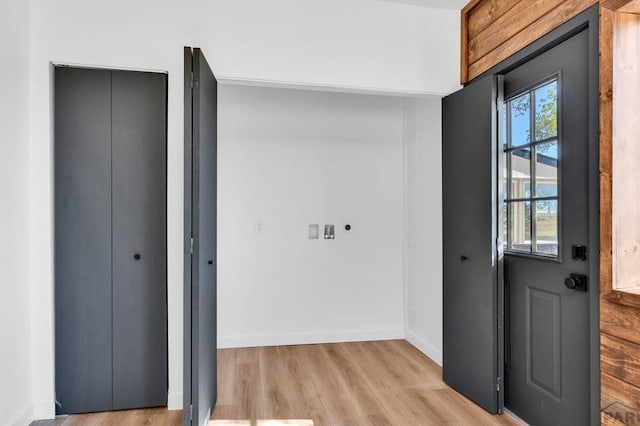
{"x": 187, "y": 406}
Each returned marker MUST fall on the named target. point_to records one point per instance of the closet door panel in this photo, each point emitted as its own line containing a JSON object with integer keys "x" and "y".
{"x": 82, "y": 240}
{"x": 139, "y": 240}
{"x": 472, "y": 340}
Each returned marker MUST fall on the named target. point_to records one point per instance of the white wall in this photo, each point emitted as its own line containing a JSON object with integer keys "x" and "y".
{"x": 356, "y": 44}
{"x": 367, "y": 44}
{"x": 290, "y": 158}
{"x": 146, "y": 35}
{"x": 423, "y": 226}
{"x": 15, "y": 365}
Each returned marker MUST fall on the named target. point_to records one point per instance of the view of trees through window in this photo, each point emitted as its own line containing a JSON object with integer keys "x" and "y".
{"x": 530, "y": 138}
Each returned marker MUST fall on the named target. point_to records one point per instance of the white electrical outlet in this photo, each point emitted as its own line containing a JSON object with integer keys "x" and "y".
{"x": 329, "y": 232}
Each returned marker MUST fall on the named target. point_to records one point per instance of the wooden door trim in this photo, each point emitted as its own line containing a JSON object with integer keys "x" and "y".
{"x": 608, "y": 12}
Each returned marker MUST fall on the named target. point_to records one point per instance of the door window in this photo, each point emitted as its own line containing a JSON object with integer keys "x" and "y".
{"x": 531, "y": 146}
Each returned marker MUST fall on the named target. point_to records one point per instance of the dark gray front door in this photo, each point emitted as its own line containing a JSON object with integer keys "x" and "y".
{"x": 545, "y": 132}
{"x": 110, "y": 240}
{"x": 472, "y": 338}
{"x": 201, "y": 108}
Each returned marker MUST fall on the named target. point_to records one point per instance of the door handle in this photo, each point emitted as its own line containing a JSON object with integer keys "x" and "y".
{"x": 463, "y": 258}
{"x": 576, "y": 282}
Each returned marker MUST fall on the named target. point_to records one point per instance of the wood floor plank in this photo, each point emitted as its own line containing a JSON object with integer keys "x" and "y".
{"x": 346, "y": 368}
{"x": 248, "y": 391}
{"x": 275, "y": 384}
{"x": 420, "y": 366}
{"x": 324, "y": 377}
{"x": 226, "y": 376}
{"x": 141, "y": 417}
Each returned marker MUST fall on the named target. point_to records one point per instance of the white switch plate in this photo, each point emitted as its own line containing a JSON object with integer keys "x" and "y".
{"x": 314, "y": 231}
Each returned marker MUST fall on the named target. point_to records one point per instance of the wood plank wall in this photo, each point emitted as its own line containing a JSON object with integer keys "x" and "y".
{"x": 493, "y": 30}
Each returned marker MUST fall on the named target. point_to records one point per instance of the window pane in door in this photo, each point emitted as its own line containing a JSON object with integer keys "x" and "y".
{"x": 546, "y": 217}
{"x": 547, "y": 169}
{"x": 520, "y": 226}
{"x": 546, "y": 111}
{"x": 520, "y": 120}
{"x": 520, "y": 173}
{"x": 532, "y": 159}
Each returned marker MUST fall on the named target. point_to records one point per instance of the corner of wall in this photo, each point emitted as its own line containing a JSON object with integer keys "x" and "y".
{"x": 426, "y": 348}
{"x": 44, "y": 410}
{"x": 408, "y": 138}
{"x": 422, "y": 223}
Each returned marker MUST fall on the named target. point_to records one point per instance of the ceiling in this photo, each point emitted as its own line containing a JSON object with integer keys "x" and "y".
{"x": 439, "y": 4}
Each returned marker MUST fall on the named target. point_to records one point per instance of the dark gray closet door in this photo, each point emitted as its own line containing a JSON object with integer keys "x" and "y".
{"x": 472, "y": 343}
{"x": 110, "y": 240}
{"x": 201, "y": 109}
{"x": 83, "y": 239}
{"x": 139, "y": 240}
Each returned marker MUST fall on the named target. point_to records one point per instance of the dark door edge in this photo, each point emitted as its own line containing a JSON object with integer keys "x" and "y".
{"x": 188, "y": 144}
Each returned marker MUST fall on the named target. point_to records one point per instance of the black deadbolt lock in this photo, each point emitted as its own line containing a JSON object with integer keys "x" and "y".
{"x": 137, "y": 256}
{"x": 579, "y": 252}
{"x": 576, "y": 282}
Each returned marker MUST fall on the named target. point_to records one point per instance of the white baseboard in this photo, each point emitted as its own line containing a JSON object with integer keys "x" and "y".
{"x": 174, "y": 401}
{"x": 44, "y": 410}
{"x": 24, "y": 418}
{"x": 426, "y": 348}
{"x": 308, "y": 338}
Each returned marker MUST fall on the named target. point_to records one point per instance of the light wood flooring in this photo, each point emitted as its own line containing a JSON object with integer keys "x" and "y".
{"x": 364, "y": 383}
{"x": 147, "y": 416}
